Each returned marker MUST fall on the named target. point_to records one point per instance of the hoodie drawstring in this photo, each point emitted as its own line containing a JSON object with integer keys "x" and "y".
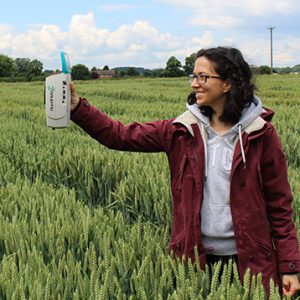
{"x": 204, "y": 138}
{"x": 205, "y": 149}
{"x": 241, "y": 145}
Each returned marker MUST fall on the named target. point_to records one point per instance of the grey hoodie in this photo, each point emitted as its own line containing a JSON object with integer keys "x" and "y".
{"x": 216, "y": 220}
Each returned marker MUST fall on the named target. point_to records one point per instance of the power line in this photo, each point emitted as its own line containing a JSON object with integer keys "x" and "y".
{"x": 271, "y": 46}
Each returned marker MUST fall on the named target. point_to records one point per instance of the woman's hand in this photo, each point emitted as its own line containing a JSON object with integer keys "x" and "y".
{"x": 290, "y": 284}
{"x": 74, "y": 97}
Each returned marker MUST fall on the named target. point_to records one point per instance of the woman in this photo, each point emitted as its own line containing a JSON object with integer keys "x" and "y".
{"x": 230, "y": 192}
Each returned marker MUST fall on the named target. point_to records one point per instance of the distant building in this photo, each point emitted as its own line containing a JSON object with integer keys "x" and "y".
{"x": 104, "y": 74}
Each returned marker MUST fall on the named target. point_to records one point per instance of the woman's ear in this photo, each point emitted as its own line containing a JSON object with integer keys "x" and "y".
{"x": 227, "y": 86}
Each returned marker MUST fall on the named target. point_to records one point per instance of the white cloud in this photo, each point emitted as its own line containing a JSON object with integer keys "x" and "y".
{"x": 258, "y": 7}
{"x": 205, "y": 41}
{"x": 290, "y": 46}
{"x": 34, "y": 43}
{"x": 232, "y": 13}
{"x": 236, "y": 6}
{"x": 83, "y": 33}
{"x": 285, "y": 51}
{"x": 5, "y": 29}
{"x": 85, "y": 43}
{"x": 136, "y": 44}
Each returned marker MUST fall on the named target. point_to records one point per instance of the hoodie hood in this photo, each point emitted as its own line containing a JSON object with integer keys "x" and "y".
{"x": 249, "y": 114}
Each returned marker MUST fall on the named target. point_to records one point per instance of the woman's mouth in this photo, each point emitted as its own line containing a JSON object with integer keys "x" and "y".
{"x": 199, "y": 94}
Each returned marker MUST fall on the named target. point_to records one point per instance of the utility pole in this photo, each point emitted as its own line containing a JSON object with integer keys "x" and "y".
{"x": 271, "y": 45}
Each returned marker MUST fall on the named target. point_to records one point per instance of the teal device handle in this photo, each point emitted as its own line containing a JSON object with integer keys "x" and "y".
{"x": 65, "y": 63}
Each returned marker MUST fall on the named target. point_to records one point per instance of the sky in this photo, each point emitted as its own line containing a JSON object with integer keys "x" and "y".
{"x": 147, "y": 33}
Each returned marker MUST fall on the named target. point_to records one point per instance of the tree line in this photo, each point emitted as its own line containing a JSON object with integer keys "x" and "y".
{"x": 21, "y": 69}
{"x": 173, "y": 68}
{"x": 24, "y": 69}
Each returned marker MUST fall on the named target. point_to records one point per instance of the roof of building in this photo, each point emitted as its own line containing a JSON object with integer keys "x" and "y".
{"x": 106, "y": 72}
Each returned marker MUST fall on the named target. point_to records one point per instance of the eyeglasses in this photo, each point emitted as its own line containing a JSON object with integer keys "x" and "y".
{"x": 202, "y": 78}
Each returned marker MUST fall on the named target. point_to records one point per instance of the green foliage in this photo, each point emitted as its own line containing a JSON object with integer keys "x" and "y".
{"x": 21, "y": 65}
{"x": 80, "y": 72}
{"x": 173, "y": 68}
{"x": 93, "y": 73}
{"x": 264, "y": 70}
{"x": 28, "y": 68}
{"x": 6, "y": 66}
{"x": 158, "y": 72}
{"x": 131, "y": 71}
{"x": 296, "y": 68}
{"x": 285, "y": 70}
{"x": 189, "y": 64}
{"x": 35, "y": 69}
{"x": 79, "y": 221}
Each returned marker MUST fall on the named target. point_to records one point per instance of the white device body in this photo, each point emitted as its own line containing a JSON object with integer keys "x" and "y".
{"x": 58, "y": 100}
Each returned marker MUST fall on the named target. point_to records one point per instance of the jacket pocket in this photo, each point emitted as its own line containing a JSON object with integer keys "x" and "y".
{"x": 261, "y": 251}
{"x": 264, "y": 259}
{"x": 266, "y": 247}
{"x": 260, "y": 180}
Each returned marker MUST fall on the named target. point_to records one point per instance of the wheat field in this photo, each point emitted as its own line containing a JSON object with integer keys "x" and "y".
{"x": 79, "y": 221}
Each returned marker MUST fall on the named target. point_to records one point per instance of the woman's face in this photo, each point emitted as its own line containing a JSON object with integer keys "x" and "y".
{"x": 213, "y": 92}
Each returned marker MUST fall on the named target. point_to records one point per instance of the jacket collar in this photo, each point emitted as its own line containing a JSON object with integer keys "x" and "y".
{"x": 256, "y": 125}
{"x": 187, "y": 119}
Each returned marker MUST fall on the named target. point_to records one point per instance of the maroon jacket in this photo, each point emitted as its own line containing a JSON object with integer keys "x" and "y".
{"x": 260, "y": 195}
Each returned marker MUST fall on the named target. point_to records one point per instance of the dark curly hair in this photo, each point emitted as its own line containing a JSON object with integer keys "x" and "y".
{"x": 230, "y": 65}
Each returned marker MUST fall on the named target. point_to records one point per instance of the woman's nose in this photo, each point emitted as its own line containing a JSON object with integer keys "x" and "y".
{"x": 194, "y": 83}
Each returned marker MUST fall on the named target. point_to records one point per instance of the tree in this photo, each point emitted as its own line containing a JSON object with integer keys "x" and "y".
{"x": 148, "y": 74}
{"x": 189, "y": 64}
{"x": 131, "y": 71}
{"x": 173, "y": 68}
{"x": 122, "y": 73}
{"x": 28, "y": 68}
{"x": 158, "y": 72}
{"x": 94, "y": 74}
{"x": 284, "y": 70}
{"x": 48, "y": 72}
{"x": 80, "y": 72}
{"x": 21, "y": 66}
{"x": 295, "y": 68}
{"x": 106, "y": 67}
{"x": 35, "y": 69}
{"x": 264, "y": 70}
{"x": 6, "y": 66}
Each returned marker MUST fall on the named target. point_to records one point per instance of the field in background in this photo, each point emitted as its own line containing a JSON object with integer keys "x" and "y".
{"x": 79, "y": 221}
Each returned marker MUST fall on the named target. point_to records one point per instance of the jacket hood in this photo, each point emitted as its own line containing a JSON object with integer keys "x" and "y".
{"x": 249, "y": 114}
{"x": 252, "y": 119}
{"x": 247, "y": 121}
